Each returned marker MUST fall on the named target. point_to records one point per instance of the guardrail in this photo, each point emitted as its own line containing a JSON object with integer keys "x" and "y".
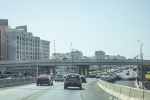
{"x": 124, "y": 92}
{"x": 16, "y": 81}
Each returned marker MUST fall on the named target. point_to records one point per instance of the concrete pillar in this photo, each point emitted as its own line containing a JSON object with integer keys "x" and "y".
{"x": 87, "y": 71}
{"x": 80, "y": 71}
{"x": 83, "y": 70}
{"x": 54, "y": 72}
{"x": 48, "y": 70}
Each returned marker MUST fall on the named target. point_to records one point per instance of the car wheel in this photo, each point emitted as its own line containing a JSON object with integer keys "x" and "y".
{"x": 37, "y": 84}
{"x": 80, "y": 87}
{"x": 52, "y": 83}
{"x": 65, "y": 87}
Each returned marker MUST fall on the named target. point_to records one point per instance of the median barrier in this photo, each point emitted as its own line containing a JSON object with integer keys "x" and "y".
{"x": 112, "y": 87}
{"x": 147, "y": 95}
{"x": 9, "y": 82}
{"x": 117, "y": 89}
{"x": 125, "y": 92}
{"x": 107, "y": 87}
{"x": 14, "y": 82}
{"x": 3, "y": 83}
{"x": 136, "y": 94}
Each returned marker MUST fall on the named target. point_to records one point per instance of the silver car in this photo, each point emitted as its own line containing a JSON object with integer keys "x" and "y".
{"x": 73, "y": 80}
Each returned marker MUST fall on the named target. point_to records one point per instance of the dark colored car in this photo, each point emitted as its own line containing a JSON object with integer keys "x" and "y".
{"x": 83, "y": 78}
{"x": 44, "y": 79}
{"x": 127, "y": 73}
{"x": 92, "y": 76}
{"x": 73, "y": 80}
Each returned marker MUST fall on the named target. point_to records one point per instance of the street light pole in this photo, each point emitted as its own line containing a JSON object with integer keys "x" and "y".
{"x": 141, "y": 56}
{"x": 55, "y": 51}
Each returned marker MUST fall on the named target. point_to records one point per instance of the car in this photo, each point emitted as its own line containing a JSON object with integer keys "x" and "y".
{"x": 59, "y": 77}
{"x": 83, "y": 78}
{"x": 127, "y": 73}
{"x": 44, "y": 79}
{"x": 98, "y": 76}
{"x": 92, "y": 76}
{"x": 73, "y": 80}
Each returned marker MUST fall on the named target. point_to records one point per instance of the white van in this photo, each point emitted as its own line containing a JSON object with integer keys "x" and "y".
{"x": 59, "y": 77}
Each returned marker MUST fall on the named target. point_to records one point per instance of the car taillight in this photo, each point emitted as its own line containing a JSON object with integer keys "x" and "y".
{"x": 79, "y": 79}
{"x": 66, "y": 78}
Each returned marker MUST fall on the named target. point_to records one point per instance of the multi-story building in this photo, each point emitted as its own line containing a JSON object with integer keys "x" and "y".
{"x": 45, "y": 49}
{"x": 75, "y": 54}
{"x": 99, "y": 55}
{"x": 18, "y": 44}
{"x": 61, "y": 56}
{"x": 114, "y": 57}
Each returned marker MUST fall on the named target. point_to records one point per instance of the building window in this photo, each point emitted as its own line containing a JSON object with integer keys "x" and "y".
{"x": 26, "y": 39}
{"x": 7, "y": 42}
{"x": 7, "y": 51}
{"x": 17, "y": 47}
{"x": 7, "y": 37}
{"x": 17, "y": 52}
{"x": 17, "y": 37}
{"x": 17, "y": 42}
{"x": 17, "y": 56}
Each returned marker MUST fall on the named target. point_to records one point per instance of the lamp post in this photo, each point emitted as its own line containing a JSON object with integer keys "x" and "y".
{"x": 141, "y": 57}
{"x": 55, "y": 51}
{"x": 71, "y": 55}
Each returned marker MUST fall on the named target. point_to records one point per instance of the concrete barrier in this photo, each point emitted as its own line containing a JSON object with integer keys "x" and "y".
{"x": 117, "y": 90}
{"x": 125, "y": 92}
{"x": 136, "y": 94}
{"x": 16, "y": 81}
{"x": 112, "y": 87}
{"x": 3, "y": 83}
{"x": 9, "y": 82}
{"x": 107, "y": 87}
{"x": 146, "y": 95}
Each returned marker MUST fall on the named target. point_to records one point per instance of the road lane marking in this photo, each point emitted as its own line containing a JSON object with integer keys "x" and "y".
{"x": 37, "y": 92}
{"x": 82, "y": 94}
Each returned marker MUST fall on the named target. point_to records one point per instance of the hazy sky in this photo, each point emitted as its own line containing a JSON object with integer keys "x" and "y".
{"x": 113, "y": 26}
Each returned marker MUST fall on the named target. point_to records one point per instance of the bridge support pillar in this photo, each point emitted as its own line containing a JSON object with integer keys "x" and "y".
{"x": 83, "y": 70}
{"x": 48, "y": 70}
{"x": 54, "y": 72}
{"x": 87, "y": 71}
{"x": 80, "y": 71}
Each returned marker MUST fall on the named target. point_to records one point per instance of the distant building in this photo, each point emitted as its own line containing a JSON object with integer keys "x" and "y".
{"x": 45, "y": 50}
{"x": 114, "y": 57}
{"x": 61, "y": 56}
{"x": 74, "y": 54}
{"x": 18, "y": 44}
{"x": 99, "y": 55}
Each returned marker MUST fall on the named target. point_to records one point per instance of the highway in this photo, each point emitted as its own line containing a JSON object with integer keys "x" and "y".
{"x": 126, "y": 81}
{"x": 90, "y": 91}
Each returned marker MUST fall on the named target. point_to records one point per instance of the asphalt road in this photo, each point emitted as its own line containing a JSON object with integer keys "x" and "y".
{"x": 126, "y": 81}
{"x": 90, "y": 91}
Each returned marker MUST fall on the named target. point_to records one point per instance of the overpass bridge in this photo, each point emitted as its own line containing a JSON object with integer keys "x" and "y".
{"x": 81, "y": 64}
{"x": 43, "y": 63}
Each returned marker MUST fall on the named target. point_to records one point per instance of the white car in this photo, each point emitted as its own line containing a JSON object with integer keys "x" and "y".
{"x": 59, "y": 77}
